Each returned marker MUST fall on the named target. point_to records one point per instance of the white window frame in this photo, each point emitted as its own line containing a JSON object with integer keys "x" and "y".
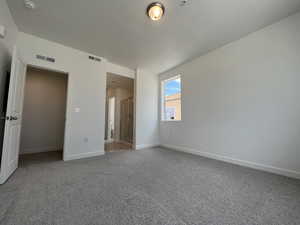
{"x": 162, "y": 98}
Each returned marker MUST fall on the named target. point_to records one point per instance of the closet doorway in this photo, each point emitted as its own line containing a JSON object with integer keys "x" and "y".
{"x": 44, "y": 115}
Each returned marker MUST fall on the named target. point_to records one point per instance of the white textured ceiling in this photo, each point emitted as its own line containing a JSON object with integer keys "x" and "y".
{"x": 120, "y": 31}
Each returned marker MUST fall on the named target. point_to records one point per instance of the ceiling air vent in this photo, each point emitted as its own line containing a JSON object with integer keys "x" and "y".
{"x": 94, "y": 58}
{"x": 45, "y": 58}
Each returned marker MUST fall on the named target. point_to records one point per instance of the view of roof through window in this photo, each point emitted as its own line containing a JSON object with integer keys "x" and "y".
{"x": 172, "y": 99}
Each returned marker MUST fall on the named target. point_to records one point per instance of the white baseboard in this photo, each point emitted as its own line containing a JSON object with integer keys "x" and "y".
{"x": 143, "y": 146}
{"x": 83, "y": 155}
{"x": 40, "y": 150}
{"x": 253, "y": 165}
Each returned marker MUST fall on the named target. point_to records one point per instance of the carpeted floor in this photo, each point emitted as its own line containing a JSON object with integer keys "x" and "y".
{"x": 152, "y": 186}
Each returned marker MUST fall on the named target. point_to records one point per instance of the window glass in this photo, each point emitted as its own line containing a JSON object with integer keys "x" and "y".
{"x": 171, "y": 99}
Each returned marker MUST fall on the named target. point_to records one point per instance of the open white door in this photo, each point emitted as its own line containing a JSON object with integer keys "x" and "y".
{"x": 11, "y": 141}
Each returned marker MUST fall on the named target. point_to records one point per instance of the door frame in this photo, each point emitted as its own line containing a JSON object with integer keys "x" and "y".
{"x": 134, "y": 106}
{"x": 67, "y": 99}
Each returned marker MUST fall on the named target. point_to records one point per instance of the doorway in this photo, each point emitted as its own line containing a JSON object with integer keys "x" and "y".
{"x": 4, "y": 88}
{"x": 119, "y": 118}
{"x": 44, "y": 114}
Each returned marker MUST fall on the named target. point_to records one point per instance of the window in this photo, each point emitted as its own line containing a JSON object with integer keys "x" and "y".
{"x": 171, "y": 99}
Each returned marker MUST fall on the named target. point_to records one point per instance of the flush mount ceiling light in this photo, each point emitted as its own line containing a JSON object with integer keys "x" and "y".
{"x": 155, "y": 11}
{"x": 29, "y": 4}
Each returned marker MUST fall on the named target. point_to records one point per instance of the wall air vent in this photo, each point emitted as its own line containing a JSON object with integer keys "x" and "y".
{"x": 94, "y": 58}
{"x": 45, "y": 58}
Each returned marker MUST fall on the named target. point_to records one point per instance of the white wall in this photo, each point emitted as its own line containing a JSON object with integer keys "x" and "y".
{"x": 120, "y": 70}
{"x": 146, "y": 109}
{"x": 240, "y": 103}
{"x": 44, "y": 111}
{"x": 84, "y": 135}
{"x": 84, "y": 130}
{"x": 6, "y": 46}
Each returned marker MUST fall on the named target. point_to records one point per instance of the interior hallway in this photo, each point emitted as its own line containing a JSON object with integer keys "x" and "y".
{"x": 151, "y": 186}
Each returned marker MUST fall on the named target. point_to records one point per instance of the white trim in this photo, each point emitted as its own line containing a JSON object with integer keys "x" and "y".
{"x": 119, "y": 70}
{"x": 171, "y": 78}
{"x": 253, "y": 165}
{"x": 143, "y": 146}
{"x": 83, "y": 155}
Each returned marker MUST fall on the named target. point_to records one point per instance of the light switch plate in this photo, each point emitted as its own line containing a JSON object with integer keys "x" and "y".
{"x": 77, "y": 110}
{"x": 2, "y": 31}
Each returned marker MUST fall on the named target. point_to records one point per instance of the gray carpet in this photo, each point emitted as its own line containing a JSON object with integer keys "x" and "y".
{"x": 152, "y": 186}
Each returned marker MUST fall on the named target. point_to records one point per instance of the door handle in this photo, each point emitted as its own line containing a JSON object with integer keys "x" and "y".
{"x": 13, "y": 118}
